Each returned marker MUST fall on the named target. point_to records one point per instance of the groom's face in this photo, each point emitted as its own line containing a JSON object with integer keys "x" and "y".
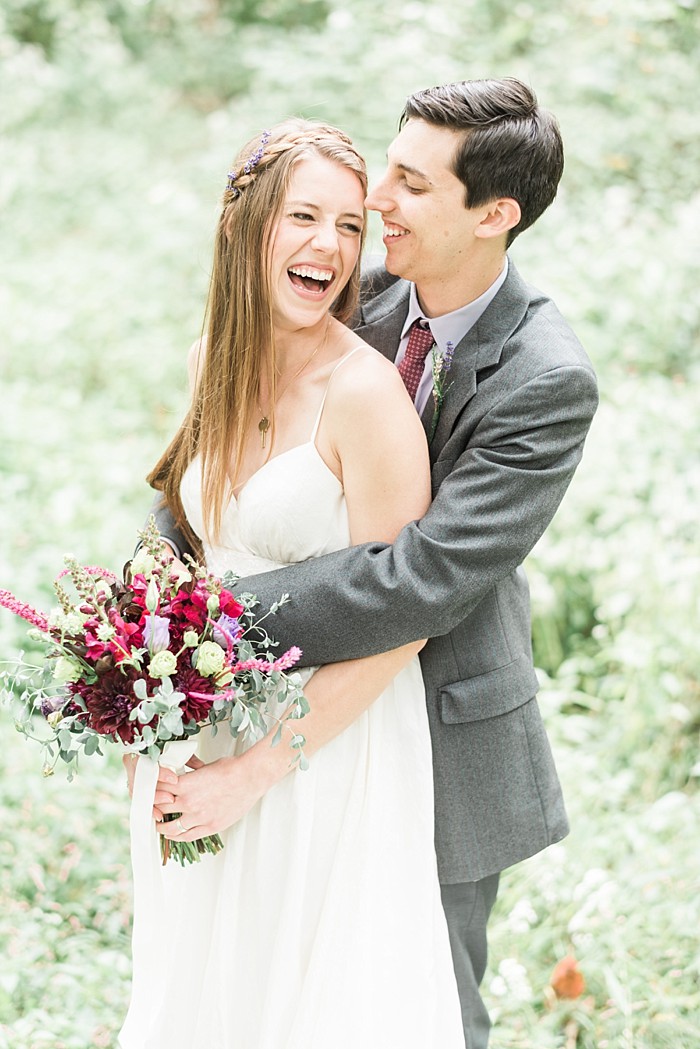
{"x": 428, "y": 231}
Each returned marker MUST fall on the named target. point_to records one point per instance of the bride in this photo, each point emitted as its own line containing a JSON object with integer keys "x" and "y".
{"x": 320, "y": 924}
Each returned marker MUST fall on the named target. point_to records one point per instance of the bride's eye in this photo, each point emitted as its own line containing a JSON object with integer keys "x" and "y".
{"x": 302, "y": 216}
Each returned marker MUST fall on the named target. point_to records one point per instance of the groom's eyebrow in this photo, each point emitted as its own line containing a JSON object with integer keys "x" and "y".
{"x": 416, "y": 172}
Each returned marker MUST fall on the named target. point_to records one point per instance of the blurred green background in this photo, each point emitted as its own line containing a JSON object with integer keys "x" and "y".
{"x": 119, "y": 120}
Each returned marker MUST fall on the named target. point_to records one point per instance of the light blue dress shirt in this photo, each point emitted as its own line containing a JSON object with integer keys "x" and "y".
{"x": 450, "y": 327}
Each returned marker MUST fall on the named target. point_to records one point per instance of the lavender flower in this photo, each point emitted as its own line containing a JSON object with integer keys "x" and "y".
{"x": 251, "y": 163}
{"x": 156, "y": 633}
{"x": 442, "y": 362}
{"x": 52, "y": 704}
{"x": 227, "y": 630}
{"x": 255, "y": 159}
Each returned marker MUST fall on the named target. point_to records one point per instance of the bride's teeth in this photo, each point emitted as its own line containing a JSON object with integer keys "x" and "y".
{"x": 389, "y": 232}
{"x": 306, "y": 271}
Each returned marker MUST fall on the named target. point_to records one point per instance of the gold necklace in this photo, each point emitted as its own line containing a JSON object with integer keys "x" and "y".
{"x": 264, "y": 424}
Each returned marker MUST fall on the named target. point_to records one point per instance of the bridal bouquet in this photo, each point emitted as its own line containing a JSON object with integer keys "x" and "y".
{"x": 147, "y": 663}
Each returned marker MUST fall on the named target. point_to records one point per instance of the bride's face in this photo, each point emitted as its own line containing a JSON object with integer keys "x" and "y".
{"x": 316, "y": 242}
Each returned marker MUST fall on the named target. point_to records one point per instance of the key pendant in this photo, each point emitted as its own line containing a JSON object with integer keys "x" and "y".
{"x": 263, "y": 426}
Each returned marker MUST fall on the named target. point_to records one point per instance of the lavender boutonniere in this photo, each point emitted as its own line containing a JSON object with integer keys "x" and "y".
{"x": 442, "y": 362}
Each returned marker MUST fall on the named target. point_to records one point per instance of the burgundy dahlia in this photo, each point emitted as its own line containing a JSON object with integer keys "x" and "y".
{"x": 188, "y": 680}
{"x": 109, "y": 701}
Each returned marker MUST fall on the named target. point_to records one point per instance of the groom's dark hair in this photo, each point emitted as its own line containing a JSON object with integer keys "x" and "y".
{"x": 510, "y": 147}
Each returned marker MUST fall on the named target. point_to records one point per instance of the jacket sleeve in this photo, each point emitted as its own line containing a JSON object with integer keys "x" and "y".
{"x": 492, "y": 503}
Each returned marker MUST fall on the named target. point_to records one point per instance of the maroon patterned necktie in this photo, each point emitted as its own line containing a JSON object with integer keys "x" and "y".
{"x": 411, "y": 369}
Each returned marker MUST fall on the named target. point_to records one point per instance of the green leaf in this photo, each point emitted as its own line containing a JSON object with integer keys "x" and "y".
{"x": 92, "y": 745}
{"x": 140, "y": 689}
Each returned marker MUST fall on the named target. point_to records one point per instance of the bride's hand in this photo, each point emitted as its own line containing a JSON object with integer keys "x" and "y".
{"x": 130, "y": 762}
{"x": 209, "y": 799}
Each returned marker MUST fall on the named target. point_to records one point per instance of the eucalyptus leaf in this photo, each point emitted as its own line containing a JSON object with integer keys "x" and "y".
{"x": 140, "y": 689}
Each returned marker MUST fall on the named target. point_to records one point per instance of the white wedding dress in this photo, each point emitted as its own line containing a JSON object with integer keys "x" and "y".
{"x": 320, "y": 924}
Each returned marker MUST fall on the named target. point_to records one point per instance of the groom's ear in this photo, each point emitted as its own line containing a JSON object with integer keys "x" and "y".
{"x": 500, "y": 215}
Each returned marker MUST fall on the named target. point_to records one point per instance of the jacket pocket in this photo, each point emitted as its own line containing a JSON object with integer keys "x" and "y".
{"x": 488, "y": 695}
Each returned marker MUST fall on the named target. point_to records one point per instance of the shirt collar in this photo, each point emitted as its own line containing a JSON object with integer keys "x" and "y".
{"x": 452, "y": 327}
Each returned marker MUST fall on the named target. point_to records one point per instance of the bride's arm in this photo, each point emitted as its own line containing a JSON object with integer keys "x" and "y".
{"x": 377, "y": 445}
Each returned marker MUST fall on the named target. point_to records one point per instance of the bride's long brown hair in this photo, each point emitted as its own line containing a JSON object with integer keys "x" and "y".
{"x": 239, "y": 314}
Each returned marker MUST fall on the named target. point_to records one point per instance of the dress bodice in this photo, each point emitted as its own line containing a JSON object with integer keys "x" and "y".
{"x": 289, "y": 510}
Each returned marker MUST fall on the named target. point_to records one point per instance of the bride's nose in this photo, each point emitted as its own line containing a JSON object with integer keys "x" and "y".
{"x": 325, "y": 238}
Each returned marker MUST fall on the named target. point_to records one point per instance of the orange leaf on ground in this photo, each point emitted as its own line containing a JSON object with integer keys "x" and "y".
{"x": 567, "y": 979}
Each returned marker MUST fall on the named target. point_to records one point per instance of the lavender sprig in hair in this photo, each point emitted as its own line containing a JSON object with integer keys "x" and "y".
{"x": 442, "y": 362}
{"x": 252, "y": 162}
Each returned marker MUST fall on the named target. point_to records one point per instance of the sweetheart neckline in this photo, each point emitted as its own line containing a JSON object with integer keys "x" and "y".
{"x": 281, "y": 455}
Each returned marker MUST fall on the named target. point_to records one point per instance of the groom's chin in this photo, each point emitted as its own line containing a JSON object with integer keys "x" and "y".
{"x": 392, "y": 267}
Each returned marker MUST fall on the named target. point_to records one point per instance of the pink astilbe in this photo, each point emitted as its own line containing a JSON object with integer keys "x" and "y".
{"x": 263, "y": 665}
{"x": 290, "y": 657}
{"x": 13, "y": 604}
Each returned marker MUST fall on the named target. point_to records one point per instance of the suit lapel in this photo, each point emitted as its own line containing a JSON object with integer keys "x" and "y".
{"x": 480, "y": 348}
{"x": 382, "y": 321}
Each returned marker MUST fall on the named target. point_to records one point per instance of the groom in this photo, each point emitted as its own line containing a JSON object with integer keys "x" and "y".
{"x": 473, "y": 165}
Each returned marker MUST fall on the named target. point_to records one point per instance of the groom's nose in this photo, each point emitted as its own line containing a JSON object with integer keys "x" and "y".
{"x": 378, "y": 198}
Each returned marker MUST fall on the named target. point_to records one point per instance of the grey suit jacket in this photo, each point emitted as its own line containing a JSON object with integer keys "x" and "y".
{"x": 510, "y": 434}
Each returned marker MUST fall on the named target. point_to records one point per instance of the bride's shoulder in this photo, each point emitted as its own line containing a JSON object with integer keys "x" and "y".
{"x": 361, "y": 366}
{"x": 365, "y": 382}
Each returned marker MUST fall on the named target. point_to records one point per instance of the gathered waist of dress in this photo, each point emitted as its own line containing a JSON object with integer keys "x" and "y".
{"x": 220, "y": 559}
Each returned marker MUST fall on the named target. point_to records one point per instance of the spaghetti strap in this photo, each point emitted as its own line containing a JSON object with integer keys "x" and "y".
{"x": 312, "y": 439}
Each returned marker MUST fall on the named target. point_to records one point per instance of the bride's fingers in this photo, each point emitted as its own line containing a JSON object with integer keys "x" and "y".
{"x": 175, "y": 830}
{"x": 195, "y": 762}
{"x": 168, "y": 807}
{"x": 166, "y": 777}
{"x": 165, "y": 797}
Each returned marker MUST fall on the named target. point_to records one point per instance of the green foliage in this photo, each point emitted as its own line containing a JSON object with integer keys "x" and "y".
{"x": 615, "y": 585}
{"x": 65, "y": 887}
{"x": 620, "y": 894}
{"x": 121, "y": 123}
